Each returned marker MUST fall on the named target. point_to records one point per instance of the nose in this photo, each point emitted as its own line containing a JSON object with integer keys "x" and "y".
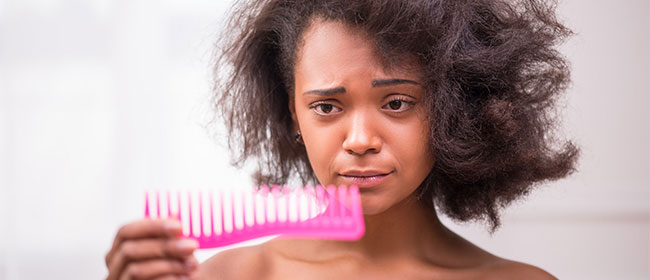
{"x": 362, "y": 136}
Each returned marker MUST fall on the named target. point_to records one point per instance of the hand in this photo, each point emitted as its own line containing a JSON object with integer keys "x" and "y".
{"x": 151, "y": 249}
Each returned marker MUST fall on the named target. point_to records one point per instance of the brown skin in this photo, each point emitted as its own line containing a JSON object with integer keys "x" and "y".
{"x": 151, "y": 249}
{"x": 365, "y": 128}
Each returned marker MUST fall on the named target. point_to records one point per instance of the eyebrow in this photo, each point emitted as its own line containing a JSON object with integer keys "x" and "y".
{"x": 390, "y": 82}
{"x": 327, "y": 92}
{"x": 374, "y": 83}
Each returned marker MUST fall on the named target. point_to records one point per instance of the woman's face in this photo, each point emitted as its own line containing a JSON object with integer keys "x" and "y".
{"x": 361, "y": 124}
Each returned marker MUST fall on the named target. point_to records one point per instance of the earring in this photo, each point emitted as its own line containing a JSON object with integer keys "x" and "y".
{"x": 299, "y": 137}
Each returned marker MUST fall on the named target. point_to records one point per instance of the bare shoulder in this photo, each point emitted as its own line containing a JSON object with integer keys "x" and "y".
{"x": 239, "y": 263}
{"x": 507, "y": 269}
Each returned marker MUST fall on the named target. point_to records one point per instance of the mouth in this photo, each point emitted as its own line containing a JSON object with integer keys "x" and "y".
{"x": 364, "y": 179}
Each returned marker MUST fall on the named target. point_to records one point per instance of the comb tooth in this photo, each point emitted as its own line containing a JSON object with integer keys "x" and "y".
{"x": 243, "y": 209}
{"x": 158, "y": 204}
{"x": 320, "y": 201}
{"x": 169, "y": 208}
{"x": 281, "y": 200}
{"x": 278, "y": 203}
{"x": 146, "y": 204}
{"x": 277, "y": 197}
{"x": 355, "y": 201}
{"x": 254, "y": 200}
{"x": 178, "y": 205}
{"x": 189, "y": 213}
{"x": 201, "y": 229}
{"x": 221, "y": 207}
{"x": 319, "y": 198}
{"x": 310, "y": 195}
{"x": 357, "y": 211}
{"x": 178, "y": 211}
{"x": 331, "y": 205}
{"x": 342, "y": 201}
{"x": 232, "y": 211}
{"x": 265, "y": 216}
{"x": 211, "y": 214}
{"x": 274, "y": 196}
{"x": 284, "y": 200}
{"x": 298, "y": 196}
{"x": 287, "y": 203}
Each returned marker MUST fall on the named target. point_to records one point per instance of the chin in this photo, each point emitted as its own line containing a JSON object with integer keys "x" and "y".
{"x": 373, "y": 206}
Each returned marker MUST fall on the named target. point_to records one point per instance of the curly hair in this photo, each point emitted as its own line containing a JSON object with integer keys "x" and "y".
{"x": 492, "y": 78}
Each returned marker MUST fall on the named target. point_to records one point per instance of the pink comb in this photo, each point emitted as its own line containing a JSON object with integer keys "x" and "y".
{"x": 228, "y": 218}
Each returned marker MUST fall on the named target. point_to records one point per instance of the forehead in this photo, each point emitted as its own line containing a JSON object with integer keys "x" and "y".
{"x": 330, "y": 50}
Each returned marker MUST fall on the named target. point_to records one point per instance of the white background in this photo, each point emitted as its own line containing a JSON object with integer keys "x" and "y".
{"x": 102, "y": 99}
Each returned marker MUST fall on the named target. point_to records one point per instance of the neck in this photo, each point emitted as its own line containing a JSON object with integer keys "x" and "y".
{"x": 408, "y": 230}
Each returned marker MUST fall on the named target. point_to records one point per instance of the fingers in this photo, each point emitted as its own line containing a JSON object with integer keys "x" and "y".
{"x": 159, "y": 269}
{"x": 151, "y": 249}
{"x": 145, "y": 228}
{"x": 132, "y": 250}
{"x": 138, "y": 250}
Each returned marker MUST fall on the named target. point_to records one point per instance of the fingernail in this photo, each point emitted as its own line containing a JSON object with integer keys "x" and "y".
{"x": 172, "y": 225}
{"x": 185, "y": 244}
{"x": 183, "y": 277}
{"x": 190, "y": 263}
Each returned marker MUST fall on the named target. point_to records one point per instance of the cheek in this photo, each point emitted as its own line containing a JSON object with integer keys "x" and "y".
{"x": 322, "y": 145}
{"x": 410, "y": 146}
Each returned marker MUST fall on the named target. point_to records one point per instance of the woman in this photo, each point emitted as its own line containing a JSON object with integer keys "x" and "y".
{"x": 426, "y": 105}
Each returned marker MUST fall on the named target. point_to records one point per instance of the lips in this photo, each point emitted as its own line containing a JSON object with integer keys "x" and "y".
{"x": 365, "y": 179}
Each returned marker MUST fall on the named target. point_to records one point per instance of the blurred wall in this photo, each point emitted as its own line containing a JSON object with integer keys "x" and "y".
{"x": 102, "y": 99}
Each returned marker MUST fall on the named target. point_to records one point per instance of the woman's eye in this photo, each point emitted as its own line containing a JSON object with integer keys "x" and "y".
{"x": 398, "y": 105}
{"x": 395, "y": 104}
{"x": 324, "y": 108}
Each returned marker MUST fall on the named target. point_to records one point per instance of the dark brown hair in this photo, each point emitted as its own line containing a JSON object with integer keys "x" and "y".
{"x": 491, "y": 71}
